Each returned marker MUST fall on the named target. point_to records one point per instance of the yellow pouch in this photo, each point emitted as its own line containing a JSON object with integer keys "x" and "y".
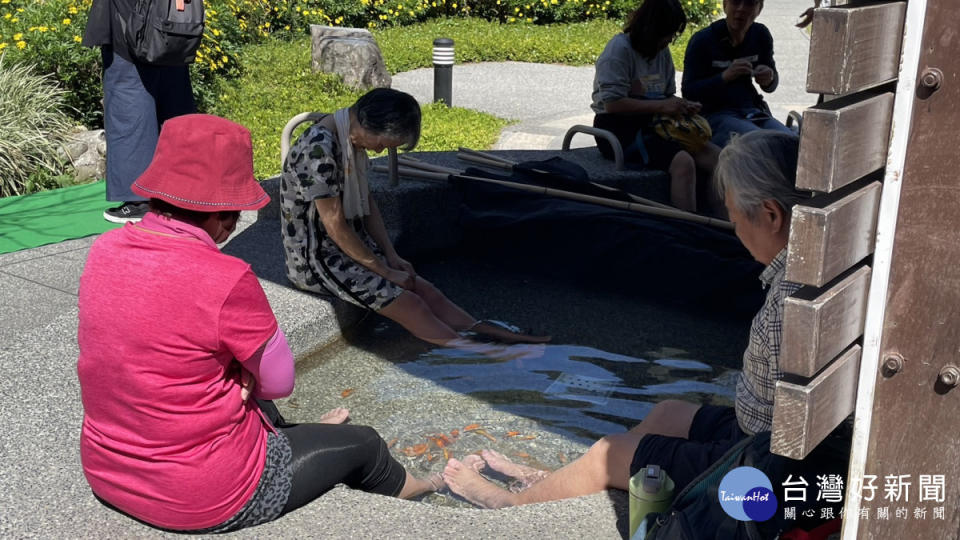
{"x": 691, "y": 131}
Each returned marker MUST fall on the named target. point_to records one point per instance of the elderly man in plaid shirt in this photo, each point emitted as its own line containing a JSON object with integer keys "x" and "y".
{"x": 757, "y": 175}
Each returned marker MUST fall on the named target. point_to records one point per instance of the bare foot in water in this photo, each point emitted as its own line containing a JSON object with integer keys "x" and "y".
{"x": 335, "y": 416}
{"x": 528, "y": 476}
{"x": 474, "y": 461}
{"x": 467, "y": 483}
{"x": 504, "y": 334}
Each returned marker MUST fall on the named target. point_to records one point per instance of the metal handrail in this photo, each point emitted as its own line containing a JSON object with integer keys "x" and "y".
{"x": 596, "y": 132}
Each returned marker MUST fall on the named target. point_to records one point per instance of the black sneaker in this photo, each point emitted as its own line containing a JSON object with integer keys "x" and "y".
{"x": 127, "y": 212}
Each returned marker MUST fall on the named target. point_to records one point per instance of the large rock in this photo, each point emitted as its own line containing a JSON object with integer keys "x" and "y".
{"x": 87, "y": 152}
{"x": 351, "y": 53}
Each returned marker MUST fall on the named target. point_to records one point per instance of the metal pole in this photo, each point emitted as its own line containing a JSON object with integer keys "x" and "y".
{"x": 392, "y": 167}
{"x": 443, "y": 70}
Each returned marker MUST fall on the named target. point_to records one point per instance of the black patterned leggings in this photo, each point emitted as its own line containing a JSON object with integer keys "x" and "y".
{"x": 325, "y": 455}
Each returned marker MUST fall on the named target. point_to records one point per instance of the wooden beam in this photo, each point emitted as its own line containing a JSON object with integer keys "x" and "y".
{"x": 831, "y": 233}
{"x": 843, "y": 140}
{"x": 854, "y": 48}
{"x": 818, "y": 325}
{"x": 803, "y": 415}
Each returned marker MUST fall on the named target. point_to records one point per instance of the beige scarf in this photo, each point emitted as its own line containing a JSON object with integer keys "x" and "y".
{"x": 354, "y": 163}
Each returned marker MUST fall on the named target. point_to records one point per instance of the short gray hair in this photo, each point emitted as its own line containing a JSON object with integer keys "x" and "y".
{"x": 758, "y": 166}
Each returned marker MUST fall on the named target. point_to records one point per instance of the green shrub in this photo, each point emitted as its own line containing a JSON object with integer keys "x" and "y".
{"x": 46, "y": 34}
{"x": 34, "y": 129}
{"x": 277, "y": 84}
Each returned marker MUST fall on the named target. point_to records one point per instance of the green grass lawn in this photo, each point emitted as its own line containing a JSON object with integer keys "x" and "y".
{"x": 278, "y": 83}
{"x": 410, "y": 47}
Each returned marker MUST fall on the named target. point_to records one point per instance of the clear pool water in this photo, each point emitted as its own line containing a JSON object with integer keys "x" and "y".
{"x": 539, "y": 405}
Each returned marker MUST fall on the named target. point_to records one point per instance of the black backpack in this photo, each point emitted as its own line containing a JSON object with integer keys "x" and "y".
{"x": 696, "y": 513}
{"x": 163, "y": 32}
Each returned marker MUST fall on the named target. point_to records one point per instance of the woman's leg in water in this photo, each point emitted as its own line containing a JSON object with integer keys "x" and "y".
{"x": 324, "y": 455}
{"x": 434, "y": 318}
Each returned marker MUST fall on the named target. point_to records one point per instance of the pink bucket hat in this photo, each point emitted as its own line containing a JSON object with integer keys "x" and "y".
{"x": 203, "y": 163}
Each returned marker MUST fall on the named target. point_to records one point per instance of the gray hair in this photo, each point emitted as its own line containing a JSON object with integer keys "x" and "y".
{"x": 758, "y": 166}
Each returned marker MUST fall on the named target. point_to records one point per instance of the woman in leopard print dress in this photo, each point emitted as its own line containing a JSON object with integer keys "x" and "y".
{"x": 334, "y": 238}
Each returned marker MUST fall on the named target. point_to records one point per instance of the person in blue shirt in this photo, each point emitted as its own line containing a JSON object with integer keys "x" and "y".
{"x": 721, "y": 65}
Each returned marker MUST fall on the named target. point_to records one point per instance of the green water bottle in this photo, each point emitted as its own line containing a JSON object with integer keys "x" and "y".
{"x": 651, "y": 490}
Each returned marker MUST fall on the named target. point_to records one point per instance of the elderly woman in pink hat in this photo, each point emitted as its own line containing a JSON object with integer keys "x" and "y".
{"x": 334, "y": 238}
{"x": 169, "y": 435}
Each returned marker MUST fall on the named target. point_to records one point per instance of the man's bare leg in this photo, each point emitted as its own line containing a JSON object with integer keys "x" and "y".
{"x": 606, "y": 464}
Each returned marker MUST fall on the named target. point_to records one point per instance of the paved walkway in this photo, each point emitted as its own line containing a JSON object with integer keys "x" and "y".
{"x": 547, "y": 99}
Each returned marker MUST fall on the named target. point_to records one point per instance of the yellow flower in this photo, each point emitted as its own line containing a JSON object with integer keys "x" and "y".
{"x": 43, "y": 29}
{"x": 77, "y": 39}
{"x": 13, "y": 20}
{"x": 3, "y": 46}
{"x": 4, "y": 1}
{"x": 266, "y": 24}
{"x": 71, "y": 10}
{"x": 216, "y": 32}
{"x": 21, "y": 44}
{"x": 224, "y": 59}
{"x": 18, "y": 36}
{"x": 67, "y": 21}
{"x": 7, "y": 16}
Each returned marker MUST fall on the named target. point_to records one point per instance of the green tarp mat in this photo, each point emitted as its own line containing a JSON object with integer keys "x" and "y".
{"x": 47, "y": 217}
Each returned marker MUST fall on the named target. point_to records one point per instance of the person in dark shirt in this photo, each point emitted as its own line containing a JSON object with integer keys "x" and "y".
{"x": 720, "y": 66}
{"x": 137, "y": 99}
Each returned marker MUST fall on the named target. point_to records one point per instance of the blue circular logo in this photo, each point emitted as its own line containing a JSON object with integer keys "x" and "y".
{"x": 746, "y": 494}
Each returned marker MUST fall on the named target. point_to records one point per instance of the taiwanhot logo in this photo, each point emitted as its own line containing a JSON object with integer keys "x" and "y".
{"x": 746, "y": 494}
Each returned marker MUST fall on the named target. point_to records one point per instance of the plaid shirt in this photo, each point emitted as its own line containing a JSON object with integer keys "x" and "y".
{"x": 761, "y": 360}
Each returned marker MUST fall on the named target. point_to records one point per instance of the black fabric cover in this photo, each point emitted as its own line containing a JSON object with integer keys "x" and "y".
{"x": 661, "y": 258}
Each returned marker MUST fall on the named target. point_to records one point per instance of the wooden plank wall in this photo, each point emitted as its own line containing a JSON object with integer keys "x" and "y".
{"x": 854, "y": 56}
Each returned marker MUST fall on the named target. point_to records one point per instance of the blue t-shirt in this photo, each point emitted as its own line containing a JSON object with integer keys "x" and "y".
{"x": 710, "y": 52}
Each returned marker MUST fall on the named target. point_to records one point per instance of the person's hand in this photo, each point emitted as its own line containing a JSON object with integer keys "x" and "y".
{"x": 637, "y": 88}
{"x": 805, "y": 18}
{"x": 692, "y": 107}
{"x": 764, "y": 75}
{"x": 401, "y": 278}
{"x": 247, "y": 383}
{"x": 398, "y": 263}
{"x": 673, "y": 106}
{"x": 736, "y": 69}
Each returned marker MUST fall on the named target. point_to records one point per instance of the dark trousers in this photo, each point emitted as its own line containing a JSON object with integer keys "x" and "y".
{"x": 137, "y": 99}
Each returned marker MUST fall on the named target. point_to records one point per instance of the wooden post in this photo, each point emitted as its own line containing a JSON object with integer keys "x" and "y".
{"x": 906, "y": 429}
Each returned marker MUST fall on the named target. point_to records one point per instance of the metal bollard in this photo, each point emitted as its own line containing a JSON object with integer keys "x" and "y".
{"x": 443, "y": 70}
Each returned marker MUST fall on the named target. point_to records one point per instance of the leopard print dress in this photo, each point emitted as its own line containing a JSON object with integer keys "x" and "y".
{"x": 314, "y": 261}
